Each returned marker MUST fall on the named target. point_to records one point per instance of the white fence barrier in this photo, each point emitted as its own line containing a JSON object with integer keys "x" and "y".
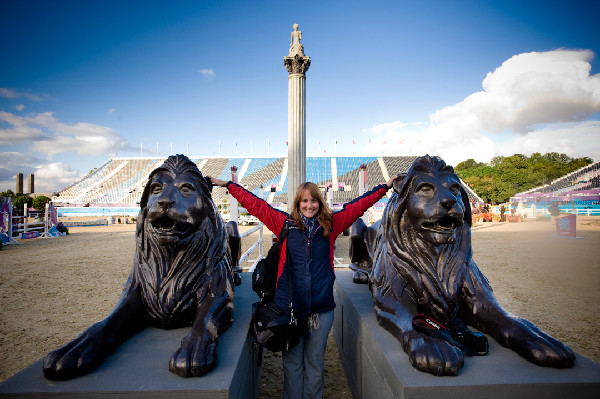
{"x": 9, "y": 225}
{"x": 257, "y": 245}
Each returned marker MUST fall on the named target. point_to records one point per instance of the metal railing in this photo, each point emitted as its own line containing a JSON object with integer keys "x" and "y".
{"x": 257, "y": 245}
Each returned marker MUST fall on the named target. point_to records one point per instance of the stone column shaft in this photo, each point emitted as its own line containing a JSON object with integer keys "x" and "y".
{"x": 296, "y": 134}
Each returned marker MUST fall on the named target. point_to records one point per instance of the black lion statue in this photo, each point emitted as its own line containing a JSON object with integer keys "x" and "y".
{"x": 181, "y": 276}
{"x": 418, "y": 263}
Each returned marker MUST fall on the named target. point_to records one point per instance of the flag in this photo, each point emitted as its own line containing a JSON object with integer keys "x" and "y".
{"x": 353, "y": 142}
{"x": 286, "y": 143}
{"x": 369, "y": 141}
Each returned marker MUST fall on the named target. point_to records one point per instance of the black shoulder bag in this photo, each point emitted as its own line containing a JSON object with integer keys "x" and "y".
{"x": 272, "y": 327}
{"x": 264, "y": 277}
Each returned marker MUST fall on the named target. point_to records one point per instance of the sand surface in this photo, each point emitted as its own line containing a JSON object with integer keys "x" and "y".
{"x": 54, "y": 288}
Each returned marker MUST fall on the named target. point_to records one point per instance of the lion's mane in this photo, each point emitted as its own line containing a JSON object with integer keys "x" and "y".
{"x": 406, "y": 264}
{"x": 172, "y": 277}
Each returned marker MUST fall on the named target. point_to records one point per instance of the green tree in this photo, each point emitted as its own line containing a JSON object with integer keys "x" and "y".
{"x": 39, "y": 203}
{"x": 504, "y": 176}
{"x": 7, "y": 194}
{"x": 19, "y": 202}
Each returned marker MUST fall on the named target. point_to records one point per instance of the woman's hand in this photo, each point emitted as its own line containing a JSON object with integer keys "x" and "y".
{"x": 390, "y": 182}
{"x": 217, "y": 182}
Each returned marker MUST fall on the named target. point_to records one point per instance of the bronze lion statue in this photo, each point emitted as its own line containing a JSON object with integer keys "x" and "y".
{"x": 418, "y": 263}
{"x": 181, "y": 276}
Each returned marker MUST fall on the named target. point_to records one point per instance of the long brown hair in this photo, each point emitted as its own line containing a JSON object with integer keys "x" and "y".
{"x": 325, "y": 215}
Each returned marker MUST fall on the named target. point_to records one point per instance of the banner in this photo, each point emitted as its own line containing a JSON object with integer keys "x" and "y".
{"x": 565, "y": 226}
{"x": 52, "y": 215}
{"x": 5, "y": 222}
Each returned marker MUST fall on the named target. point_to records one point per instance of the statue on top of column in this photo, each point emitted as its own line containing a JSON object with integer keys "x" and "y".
{"x": 295, "y": 46}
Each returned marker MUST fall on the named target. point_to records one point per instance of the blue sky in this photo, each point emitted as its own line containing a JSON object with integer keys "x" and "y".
{"x": 83, "y": 81}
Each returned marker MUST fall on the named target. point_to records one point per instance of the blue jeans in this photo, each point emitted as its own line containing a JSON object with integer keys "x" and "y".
{"x": 304, "y": 364}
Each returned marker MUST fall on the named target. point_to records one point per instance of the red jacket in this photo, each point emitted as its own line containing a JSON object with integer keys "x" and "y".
{"x": 311, "y": 257}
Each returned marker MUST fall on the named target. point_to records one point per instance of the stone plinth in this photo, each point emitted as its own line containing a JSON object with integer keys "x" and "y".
{"x": 297, "y": 66}
{"x": 377, "y": 367}
{"x": 140, "y": 367}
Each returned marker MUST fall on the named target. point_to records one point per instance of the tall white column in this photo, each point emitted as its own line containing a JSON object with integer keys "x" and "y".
{"x": 362, "y": 188}
{"x": 297, "y": 64}
{"x": 233, "y": 203}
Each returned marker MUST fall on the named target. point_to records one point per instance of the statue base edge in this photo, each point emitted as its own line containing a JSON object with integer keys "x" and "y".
{"x": 140, "y": 366}
{"x": 377, "y": 367}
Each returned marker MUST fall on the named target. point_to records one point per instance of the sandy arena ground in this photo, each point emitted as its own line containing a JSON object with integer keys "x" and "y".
{"x": 53, "y": 289}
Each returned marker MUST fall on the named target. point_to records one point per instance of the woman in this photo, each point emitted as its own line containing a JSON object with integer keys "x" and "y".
{"x": 313, "y": 228}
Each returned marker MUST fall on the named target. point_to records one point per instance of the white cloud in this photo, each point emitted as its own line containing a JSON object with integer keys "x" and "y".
{"x": 51, "y": 136}
{"x": 19, "y": 132}
{"x": 541, "y": 99}
{"x": 577, "y": 139}
{"x": 49, "y": 177}
{"x": 111, "y": 111}
{"x": 20, "y": 107}
{"x": 529, "y": 90}
{"x": 208, "y": 73}
{"x": 400, "y": 139}
{"x": 9, "y": 93}
{"x": 54, "y": 176}
{"x": 12, "y": 163}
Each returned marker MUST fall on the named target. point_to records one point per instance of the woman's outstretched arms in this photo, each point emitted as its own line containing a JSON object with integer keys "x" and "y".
{"x": 271, "y": 217}
{"x": 217, "y": 182}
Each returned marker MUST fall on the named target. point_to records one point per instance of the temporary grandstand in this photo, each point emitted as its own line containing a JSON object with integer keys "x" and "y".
{"x": 577, "y": 192}
{"x": 119, "y": 183}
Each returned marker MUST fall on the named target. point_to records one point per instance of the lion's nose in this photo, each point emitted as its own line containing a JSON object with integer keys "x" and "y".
{"x": 165, "y": 203}
{"x": 448, "y": 201}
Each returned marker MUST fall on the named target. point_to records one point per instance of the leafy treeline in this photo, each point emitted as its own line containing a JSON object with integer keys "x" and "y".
{"x": 503, "y": 177}
{"x": 19, "y": 200}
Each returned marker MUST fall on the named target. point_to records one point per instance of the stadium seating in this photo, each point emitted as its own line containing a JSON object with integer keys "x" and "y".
{"x": 120, "y": 181}
{"x": 578, "y": 191}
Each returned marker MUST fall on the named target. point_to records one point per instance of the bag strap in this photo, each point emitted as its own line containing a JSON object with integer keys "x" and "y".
{"x": 283, "y": 234}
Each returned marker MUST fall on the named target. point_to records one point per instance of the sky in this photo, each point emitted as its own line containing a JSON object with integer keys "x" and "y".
{"x": 84, "y": 81}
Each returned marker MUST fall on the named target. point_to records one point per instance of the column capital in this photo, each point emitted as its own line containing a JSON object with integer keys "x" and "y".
{"x": 296, "y": 65}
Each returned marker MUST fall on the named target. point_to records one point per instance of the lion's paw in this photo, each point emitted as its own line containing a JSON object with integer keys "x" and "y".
{"x": 76, "y": 358}
{"x": 196, "y": 357}
{"x": 544, "y": 350}
{"x": 432, "y": 355}
{"x": 360, "y": 277}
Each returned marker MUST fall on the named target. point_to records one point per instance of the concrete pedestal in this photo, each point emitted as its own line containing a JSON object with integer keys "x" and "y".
{"x": 377, "y": 367}
{"x": 140, "y": 366}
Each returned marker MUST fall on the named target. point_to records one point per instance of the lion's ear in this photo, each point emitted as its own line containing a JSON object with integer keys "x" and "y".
{"x": 146, "y": 193}
{"x": 209, "y": 184}
{"x": 398, "y": 182}
{"x": 467, "y": 217}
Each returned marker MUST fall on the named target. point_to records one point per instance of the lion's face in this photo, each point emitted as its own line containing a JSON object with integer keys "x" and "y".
{"x": 435, "y": 207}
{"x": 175, "y": 206}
